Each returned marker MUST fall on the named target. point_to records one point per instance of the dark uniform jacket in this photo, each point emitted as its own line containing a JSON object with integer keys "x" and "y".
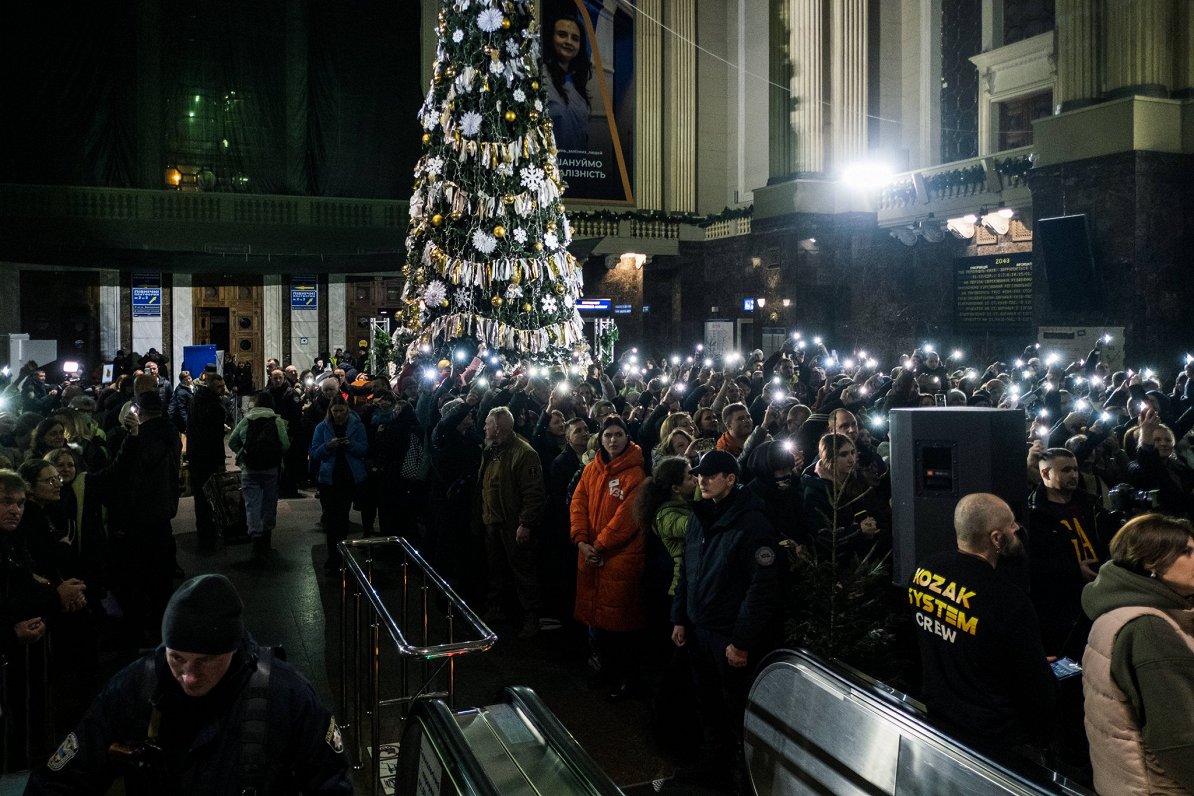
{"x": 201, "y": 738}
{"x": 730, "y": 572}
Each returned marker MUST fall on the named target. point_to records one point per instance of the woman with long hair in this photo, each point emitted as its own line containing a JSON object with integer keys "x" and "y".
{"x": 675, "y": 443}
{"x": 567, "y": 68}
{"x": 50, "y": 434}
{"x": 79, "y": 515}
{"x": 841, "y": 511}
{"x": 338, "y": 449}
{"x": 663, "y": 506}
{"x": 611, "y": 553}
{"x": 708, "y": 429}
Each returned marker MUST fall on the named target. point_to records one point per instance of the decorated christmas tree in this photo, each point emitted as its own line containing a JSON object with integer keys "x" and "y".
{"x": 486, "y": 256}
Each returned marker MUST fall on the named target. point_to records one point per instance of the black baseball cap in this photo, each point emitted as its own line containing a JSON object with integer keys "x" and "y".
{"x": 717, "y": 461}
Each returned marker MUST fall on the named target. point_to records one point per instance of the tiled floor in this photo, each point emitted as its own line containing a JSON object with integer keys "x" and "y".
{"x": 291, "y": 603}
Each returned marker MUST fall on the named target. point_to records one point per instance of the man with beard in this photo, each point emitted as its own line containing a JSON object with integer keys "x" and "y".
{"x": 776, "y": 467}
{"x": 985, "y": 674}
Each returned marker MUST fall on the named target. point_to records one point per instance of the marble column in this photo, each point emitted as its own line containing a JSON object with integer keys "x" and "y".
{"x": 848, "y": 80}
{"x": 272, "y": 316}
{"x": 648, "y": 104}
{"x": 109, "y": 313}
{"x": 182, "y": 320}
{"x": 1138, "y": 55}
{"x": 679, "y": 107}
{"x": 1077, "y": 54}
{"x": 337, "y": 312}
{"x": 805, "y": 50}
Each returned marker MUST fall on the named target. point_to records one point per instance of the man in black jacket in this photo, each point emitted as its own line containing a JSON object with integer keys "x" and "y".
{"x": 207, "y": 712}
{"x": 727, "y": 605}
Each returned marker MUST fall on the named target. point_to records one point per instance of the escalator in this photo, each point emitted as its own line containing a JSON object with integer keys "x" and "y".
{"x": 514, "y": 747}
{"x": 814, "y": 727}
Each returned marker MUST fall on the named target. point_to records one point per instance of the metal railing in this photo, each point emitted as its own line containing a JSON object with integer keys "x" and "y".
{"x": 386, "y": 586}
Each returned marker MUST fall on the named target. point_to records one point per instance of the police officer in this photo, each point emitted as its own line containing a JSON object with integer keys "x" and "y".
{"x": 208, "y": 712}
{"x": 726, "y": 611}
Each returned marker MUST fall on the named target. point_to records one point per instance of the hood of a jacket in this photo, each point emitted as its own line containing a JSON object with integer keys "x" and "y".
{"x": 734, "y": 505}
{"x": 627, "y": 459}
{"x": 1119, "y": 587}
{"x": 258, "y": 412}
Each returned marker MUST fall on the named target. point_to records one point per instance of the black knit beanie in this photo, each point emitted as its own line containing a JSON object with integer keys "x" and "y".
{"x": 204, "y": 617}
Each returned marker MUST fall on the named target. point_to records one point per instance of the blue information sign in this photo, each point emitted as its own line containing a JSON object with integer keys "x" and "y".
{"x": 304, "y": 293}
{"x": 147, "y": 302}
{"x": 748, "y": 305}
{"x": 622, "y": 309}
{"x": 594, "y": 305}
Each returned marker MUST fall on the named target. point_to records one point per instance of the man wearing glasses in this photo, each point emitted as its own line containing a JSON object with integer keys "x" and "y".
{"x": 986, "y": 678}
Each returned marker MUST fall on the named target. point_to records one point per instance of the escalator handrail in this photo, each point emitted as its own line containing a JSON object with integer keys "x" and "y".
{"x": 486, "y": 637}
{"x": 907, "y": 716}
{"x": 562, "y": 741}
{"x": 438, "y": 718}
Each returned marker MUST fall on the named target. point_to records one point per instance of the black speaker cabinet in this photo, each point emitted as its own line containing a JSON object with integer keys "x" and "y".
{"x": 1069, "y": 263}
{"x": 940, "y": 454}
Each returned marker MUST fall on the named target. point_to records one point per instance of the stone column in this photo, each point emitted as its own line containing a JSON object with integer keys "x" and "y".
{"x": 781, "y": 156}
{"x": 679, "y": 107}
{"x": 271, "y": 325}
{"x": 1183, "y": 75}
{"x": 847, "y": 82}
{"x": 807, "y": 114}
{"x": 1077, "y": 54}
{"x": 1138, "y": 58}
{"x": 648, "y": 104}
{"x": 182, "y": 321}
{"x": 337, "y": 312}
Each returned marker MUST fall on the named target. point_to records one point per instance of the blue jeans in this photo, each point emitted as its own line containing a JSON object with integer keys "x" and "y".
{"x": 260, "y": 491}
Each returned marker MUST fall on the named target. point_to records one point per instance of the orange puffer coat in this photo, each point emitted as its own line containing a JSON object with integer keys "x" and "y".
{"x": 610, "y": 597}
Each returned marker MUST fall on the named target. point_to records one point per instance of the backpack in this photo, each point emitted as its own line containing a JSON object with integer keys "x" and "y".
{"x": 263, "y": 447}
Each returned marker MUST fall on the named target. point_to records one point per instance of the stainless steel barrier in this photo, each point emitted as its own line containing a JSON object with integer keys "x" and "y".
{"x": 814, "y": 727}
{"x": 387, "y": 587}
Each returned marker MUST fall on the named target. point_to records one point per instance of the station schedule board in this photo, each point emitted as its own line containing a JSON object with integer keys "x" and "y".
{"x": 993, "y": 293}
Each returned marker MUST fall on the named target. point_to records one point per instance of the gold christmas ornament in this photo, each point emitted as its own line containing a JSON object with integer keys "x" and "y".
{"x": 551, "y": 226}
{"x": 496, "y": 301}
{"x": 538, "y": 246}
{"x": 499, "y": 231}
{"x": 534, "y": 85}
{"x": 508, "y": 199}
{"x": 558, "y": 288}
{"x": 450, "y": 72}
{"x": 527, "y": 307}
{"x": 436, "y": 220}
{"x": 457, "y": 215}
{"x": 511, "y": 116}
{"x": 426, "y": 138}
{"x": 505, "y": 23}
{"x": 516, "y": 277}
{"x": 534, "y": 116}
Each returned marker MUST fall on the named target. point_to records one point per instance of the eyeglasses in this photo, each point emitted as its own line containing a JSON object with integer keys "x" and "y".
{"x": 54, "y": 479}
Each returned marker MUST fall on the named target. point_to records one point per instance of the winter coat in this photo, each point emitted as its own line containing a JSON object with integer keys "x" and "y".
{"x": 513, "y": 473}
{"x": 849, "y": 505}
{"x": 354, "y": 452}
{"x": 610, "y": 597}
{"x": 1138, "y": 678}
{"x": 671, "y": 523}
{"x": 239, "y": 435}
{"x": 179, "y": 408}
{"x": 205, "y": 432}
{"x": 730, "y": 574}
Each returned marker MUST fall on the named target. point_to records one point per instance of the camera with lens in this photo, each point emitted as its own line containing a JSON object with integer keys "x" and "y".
{"x": 1127, "y": 501}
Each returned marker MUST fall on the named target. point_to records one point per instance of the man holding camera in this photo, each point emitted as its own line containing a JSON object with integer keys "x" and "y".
{"x": 209, "y": 711}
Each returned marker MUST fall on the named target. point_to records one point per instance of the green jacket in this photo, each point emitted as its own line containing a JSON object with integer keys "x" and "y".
{"x": 1150, "y": 664}
{"x": 236, "y": 440}
{"x": 511, "y": 478}
{"x": 671, "y": 520}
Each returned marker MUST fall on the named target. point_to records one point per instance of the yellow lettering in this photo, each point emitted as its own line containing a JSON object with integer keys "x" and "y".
{"x": 950, "y": 592}
{"x": 936, "y": 584}
{"x": 967, "y": 624}
{"x": 964, "y": 596}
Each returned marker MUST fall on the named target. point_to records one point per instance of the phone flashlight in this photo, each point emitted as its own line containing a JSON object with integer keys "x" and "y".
{"x": 1106, "y": 338}
{"x": 483, "y": 383}
{"x": 816, "y": 341}
{"x": 708, "y": 362}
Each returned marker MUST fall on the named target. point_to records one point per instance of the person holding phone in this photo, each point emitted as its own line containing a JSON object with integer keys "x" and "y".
{"x": 338, "y": 449}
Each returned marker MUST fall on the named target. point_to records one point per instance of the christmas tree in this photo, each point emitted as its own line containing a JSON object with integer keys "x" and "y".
{"x": 486, "y": 256}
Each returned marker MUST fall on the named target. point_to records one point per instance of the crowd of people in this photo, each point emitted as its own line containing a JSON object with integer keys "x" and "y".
{"x": 659, "y": 500}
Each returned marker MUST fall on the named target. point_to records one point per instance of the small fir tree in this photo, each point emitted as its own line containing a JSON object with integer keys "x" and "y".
{"x": 486, "y": 255}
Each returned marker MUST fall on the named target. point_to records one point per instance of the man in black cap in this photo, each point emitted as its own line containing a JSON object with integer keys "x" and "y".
{"x": 726, "y": 610}
{"x": 209, "y": 711}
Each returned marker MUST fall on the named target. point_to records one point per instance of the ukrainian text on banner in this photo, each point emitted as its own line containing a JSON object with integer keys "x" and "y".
{"x": 588, "y": 72}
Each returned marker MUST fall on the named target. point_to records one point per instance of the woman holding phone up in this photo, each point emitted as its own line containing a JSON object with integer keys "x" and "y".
{"x": 338, "y": 449}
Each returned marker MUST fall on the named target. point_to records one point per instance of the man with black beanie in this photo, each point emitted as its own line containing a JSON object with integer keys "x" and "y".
{"x": 209, "y": 711}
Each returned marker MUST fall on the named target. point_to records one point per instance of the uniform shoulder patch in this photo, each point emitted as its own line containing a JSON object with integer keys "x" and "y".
{"x": 764, "y": 556}
{"x": 64, "y": 753}
{"x": 333, "y": 739}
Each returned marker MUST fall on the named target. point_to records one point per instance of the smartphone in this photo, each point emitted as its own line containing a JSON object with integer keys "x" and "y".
{"x": 939, "y": 398}
{"x": 1065, "y": 668}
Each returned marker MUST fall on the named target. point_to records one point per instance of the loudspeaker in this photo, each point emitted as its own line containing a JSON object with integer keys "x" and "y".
{"x": 938, "y": 455}
{"x": 1069, "y": 263}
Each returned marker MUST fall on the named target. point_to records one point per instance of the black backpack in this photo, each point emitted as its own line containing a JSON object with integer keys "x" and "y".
{"x": 263, "y": 447}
